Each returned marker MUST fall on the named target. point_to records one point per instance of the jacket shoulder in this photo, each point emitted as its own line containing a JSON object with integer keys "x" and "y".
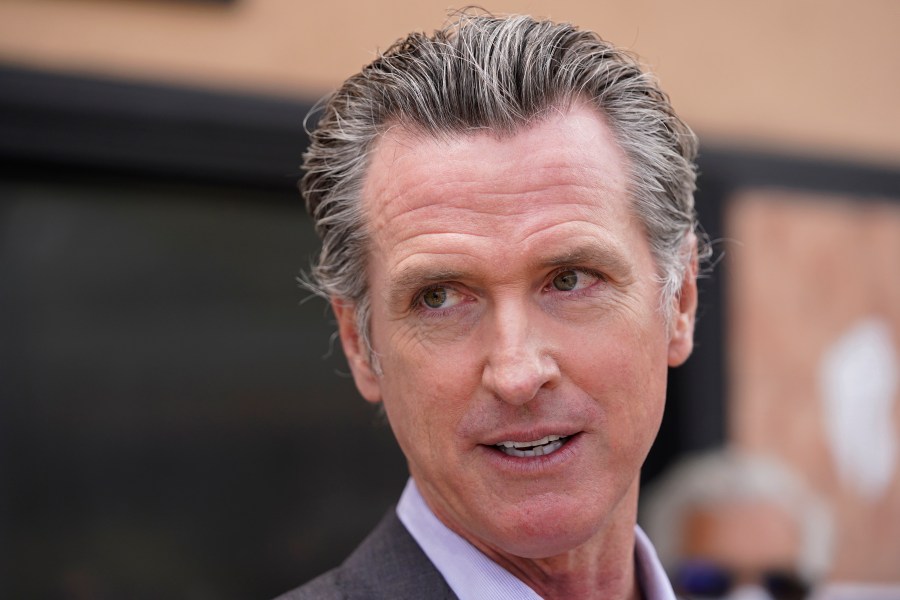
{"x": 388, "y": 564}
{"x": 323, "y": 587}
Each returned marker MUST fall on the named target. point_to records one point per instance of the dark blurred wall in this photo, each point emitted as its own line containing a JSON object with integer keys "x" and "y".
{"x": 175, "y": 422}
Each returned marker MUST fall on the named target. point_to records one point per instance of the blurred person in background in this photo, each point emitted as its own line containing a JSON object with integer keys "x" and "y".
{"x": 510, "y": 248}
{"x": 735, "y": 526}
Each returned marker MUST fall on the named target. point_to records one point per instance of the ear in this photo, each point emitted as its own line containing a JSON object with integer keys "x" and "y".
{"x": 367, "y": 381}
{"x": 681, "y": 333}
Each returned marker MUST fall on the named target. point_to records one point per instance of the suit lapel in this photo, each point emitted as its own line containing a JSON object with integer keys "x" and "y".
{"x": 390, "y": 564}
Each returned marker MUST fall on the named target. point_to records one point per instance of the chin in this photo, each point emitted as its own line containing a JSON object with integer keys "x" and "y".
{"x": 538, "y": 534}
{"x": 545, "y": 544}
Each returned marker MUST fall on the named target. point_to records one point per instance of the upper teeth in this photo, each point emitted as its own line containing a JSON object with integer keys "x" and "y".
{"x": 540, "y": 442}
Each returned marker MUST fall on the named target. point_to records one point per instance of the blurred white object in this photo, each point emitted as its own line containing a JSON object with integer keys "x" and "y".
{"x": 748, "y": 592}
{"x": 858, "y": 377}
{"x": 857, "y": 591}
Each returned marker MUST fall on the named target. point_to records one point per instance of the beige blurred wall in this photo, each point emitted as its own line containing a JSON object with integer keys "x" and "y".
{"x": 812, "y": 77}
{"x": 808, "y": 274}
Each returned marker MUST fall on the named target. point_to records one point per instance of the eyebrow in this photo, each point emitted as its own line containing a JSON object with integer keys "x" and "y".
{"x": 591, "y": 254}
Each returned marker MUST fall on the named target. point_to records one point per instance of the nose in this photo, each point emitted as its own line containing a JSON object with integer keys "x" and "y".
{"x": 519, "y": 362}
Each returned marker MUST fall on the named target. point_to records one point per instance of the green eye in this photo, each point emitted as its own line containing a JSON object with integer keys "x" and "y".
{"x": 435, "y": 297}
{"x": 566, "y": 281}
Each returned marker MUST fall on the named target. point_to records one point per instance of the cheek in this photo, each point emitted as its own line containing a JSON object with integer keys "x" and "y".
{"x": 425, "y": 395}
{"x": 626, "y": 374}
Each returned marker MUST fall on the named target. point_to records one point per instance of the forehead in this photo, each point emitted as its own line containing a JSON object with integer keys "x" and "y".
{"x": 571, "y": 151}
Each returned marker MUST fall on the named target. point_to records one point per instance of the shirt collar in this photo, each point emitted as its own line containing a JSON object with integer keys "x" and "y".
{"x": 472, "y": 575}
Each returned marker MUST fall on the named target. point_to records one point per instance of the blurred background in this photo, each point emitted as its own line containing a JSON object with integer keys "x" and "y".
{"x": 175, "y": 420}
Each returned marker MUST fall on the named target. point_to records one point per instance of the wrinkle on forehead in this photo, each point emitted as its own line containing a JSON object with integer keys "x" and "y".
{"x": 403, "y": 154}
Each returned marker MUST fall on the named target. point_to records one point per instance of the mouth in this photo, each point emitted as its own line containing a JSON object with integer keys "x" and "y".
{"x": 542, "y": 447}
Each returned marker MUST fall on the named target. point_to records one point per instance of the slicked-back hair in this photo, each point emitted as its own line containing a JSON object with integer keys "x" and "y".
{"x": 496, "y": 74}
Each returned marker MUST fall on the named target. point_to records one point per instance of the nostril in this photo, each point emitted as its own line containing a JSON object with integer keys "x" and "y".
{"x": 518, "y": 381}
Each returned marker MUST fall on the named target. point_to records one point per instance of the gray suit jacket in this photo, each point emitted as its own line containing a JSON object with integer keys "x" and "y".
{"x": 388, "y": 564}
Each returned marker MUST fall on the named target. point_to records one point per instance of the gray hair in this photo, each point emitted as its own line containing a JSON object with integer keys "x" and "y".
{"x": 499, "y": 74}
{"x": 720, "y": 477}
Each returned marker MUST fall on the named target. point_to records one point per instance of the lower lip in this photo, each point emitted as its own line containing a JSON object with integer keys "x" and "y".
{"x": 534, "y": 464}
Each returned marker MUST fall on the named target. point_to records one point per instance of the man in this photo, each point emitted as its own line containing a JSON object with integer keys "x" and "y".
{"x": 728, "y": 524}
{"x": 509, "y": 247}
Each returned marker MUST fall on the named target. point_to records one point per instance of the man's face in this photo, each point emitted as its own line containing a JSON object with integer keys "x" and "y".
{"x": 513, "y": 297}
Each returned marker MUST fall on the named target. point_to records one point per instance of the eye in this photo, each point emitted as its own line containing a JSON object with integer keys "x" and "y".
{"x": 439, "y": 297}
{"x": 572, "y": 279}
{"x": 435, "y": 298}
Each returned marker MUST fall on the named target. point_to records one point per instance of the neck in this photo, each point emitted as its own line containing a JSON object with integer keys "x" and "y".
{"x": 603, "y": 567}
